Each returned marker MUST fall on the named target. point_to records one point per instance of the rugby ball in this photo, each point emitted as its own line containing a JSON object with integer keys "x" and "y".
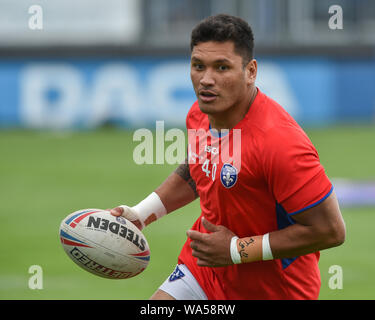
{"x": 105, "y": 245}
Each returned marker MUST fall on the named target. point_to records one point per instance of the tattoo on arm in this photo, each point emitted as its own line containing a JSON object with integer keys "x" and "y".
{"x": 243, "y": 245}
{"x": 184, "y": 172}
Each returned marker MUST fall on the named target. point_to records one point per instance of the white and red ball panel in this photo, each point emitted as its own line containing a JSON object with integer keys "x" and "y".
{"x": 108, "y": 246}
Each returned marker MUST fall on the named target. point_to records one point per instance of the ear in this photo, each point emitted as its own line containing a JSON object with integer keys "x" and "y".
{"x": 251, "y": 72}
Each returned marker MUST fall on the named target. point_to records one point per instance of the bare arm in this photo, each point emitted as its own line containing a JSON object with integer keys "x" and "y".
{"x": 178, "y": 189}
{"x": 175, "y": 192}
{"x": 317, "y": 228}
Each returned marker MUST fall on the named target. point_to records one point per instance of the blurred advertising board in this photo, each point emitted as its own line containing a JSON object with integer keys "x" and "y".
{"x": 132, "y": 92}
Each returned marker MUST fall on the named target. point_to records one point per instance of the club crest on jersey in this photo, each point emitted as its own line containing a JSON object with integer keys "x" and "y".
{"x": 228, "y": 175}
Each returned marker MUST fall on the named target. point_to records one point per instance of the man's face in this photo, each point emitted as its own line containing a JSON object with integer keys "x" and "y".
{"x": 219, "y": 78}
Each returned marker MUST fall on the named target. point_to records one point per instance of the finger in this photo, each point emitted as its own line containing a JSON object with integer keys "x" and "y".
{"x": 209, "y": 226}
{"x": 116, "y": 211}
{"x": 138, "y": 224}
{"x": 204, "y": 263}
{"x": 199, "y": 255}
{"x": 195, "y": 235}
{"x": 197, "y": 246}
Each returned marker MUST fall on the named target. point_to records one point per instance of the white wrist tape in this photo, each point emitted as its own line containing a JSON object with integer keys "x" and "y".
{"x": 266, "y": 248}
{"x": 236, "y": 258}
{"x": 151, "y": 205}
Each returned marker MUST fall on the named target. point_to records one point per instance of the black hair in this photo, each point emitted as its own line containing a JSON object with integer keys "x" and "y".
{"x": 222, "y": 28}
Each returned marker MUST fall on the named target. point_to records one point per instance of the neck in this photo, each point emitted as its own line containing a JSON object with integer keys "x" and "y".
{"x": 231, "y": 117}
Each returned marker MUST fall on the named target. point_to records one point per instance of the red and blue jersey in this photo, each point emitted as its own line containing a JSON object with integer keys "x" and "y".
{"x": 252, "y": 187}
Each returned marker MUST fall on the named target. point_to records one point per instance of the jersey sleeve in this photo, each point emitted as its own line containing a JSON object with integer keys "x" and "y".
{"x": 292, "y": 169}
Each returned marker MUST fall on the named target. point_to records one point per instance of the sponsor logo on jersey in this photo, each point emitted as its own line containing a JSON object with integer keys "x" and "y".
{"x": 228, "y": 175}
{"x": 177, "y": 274}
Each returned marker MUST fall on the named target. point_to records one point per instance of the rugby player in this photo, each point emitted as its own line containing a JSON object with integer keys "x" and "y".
{"x": 266, "y": 214}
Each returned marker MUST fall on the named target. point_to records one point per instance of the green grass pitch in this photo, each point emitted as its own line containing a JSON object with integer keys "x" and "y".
{"x": 45, "y": 176}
